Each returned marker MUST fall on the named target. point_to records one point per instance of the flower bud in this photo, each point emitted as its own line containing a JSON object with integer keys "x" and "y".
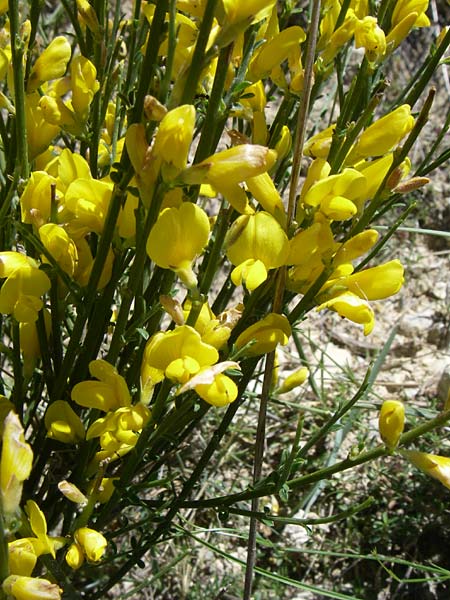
{"x": 391, "y": 422}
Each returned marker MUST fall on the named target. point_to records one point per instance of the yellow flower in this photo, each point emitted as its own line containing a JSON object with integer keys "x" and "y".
{"x": 85, "y": 264}
{"x": 293, "y": 380}
{"x": 404, "y": 8}
{"x": 318, "y": 146}
{"x": 178, "y": 354}
{"x": 255, "y": 244}
{"x": 173, "y": 140}
{"x": 15, "y": 464}
{"x": 226, "y": 169}
{"x": 356, "y": 246}
{"x": 108, "y": 393}
{"x": 88, "y": 200}
{"x": 88, "y": 16}
{"x": 35, "y": 201}
{"x": 211, "y": 329}
{"x": 187, "y": 228}
{"x": 232, "y": 12}
{"x": 375, "y": 283}
{"x": 220, "y": 392}
{"x": 74, "y": 556}
{"x": 40, "y": 133}
{"x": 264, "y": 191}
{"x": 384, "y": 134}
{"x": 369, "y": 35}
{"x": 52, "y": 63}
{"x": 42, "y": 543}
{"x": 25, "y": 283}
{"x": 273, "y": 52}
{"x": 335, "y": 194}
{"x": 391, "y": 422}
{"x": 84, "y": 85}
{"x": 352, "y": 307}
{"x": 63, "y": 424}
{"x": 31, "y": 588}
{"x": 92, "y": 542}
{"x": 266, "y": 334}
{"x": 21, "y": 557}
{"x": 432, "y": 464}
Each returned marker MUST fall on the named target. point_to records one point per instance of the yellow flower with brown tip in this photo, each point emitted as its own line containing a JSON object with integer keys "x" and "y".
{"x": 226, "y": 169}
{"x": 31, "y": 588}
{"x": 187, "y": 228}
{"x": 177, "y": 354}
{"x": 52, "y": 63}
{"x": 255, "y": 244}
{"x": 265, "y": 335}
{"x": 391, "y": 422}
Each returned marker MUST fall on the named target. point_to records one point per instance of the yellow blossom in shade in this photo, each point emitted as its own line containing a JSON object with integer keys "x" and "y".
{"x": 273, "y": 52}
{"x": 88, "y": 200}
{"x": 370, "y": 36}
{"x": 126, "y": 223}
{"x": 29, "y": 342}
{"x": 85, "y": 264}
{"x": 188, "y": 229}
{"x": 142, "y": 159}
{"x": 384, "y": 134}
{"x": 263, "y": 189}
{"x": 352, "y": 307}
{"x": 255, "y": 244}
{"x": 293, "y": 380}
{"x": 318, "y": 146}
{"x": 63, "y": 424}
{"x": 84, "y": 85}
{"x": 266, "y": 334}
{"x": 108, "y": 393}
{"x": 212, "y": 331}
{"x": 432, "y": 464}
{"x": 40, "y": 133}
{"x": 404, "y": 8}
{"x": 15, "y": 464}
{"x": 56, "y": 112}
{"x": 283, "y": 144}
{"x": 52, "y": 63}
{"x": 92, "y": 542}
{"x": 88, "y": 16}
{"x": 60, "y": 245}
{"x": 391, "y": 422}
{"x": 75, "y": 556}
{"x": 35, "y": 201}
{"x": 72, "y": 493}
{"x": 106, "y": 489}
{"x": 401, "y": 30}
{"x": 31, "y": 588}
{"x": 21, "y": 557}
{"x": 25, "y": 283}
{"x": 177, "y": 354}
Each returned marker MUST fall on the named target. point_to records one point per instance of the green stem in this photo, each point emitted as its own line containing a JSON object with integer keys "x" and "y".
{"x": 198, "y": 57}
{"x": 4, "y": 569}
{"x": 18, "y": 51}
